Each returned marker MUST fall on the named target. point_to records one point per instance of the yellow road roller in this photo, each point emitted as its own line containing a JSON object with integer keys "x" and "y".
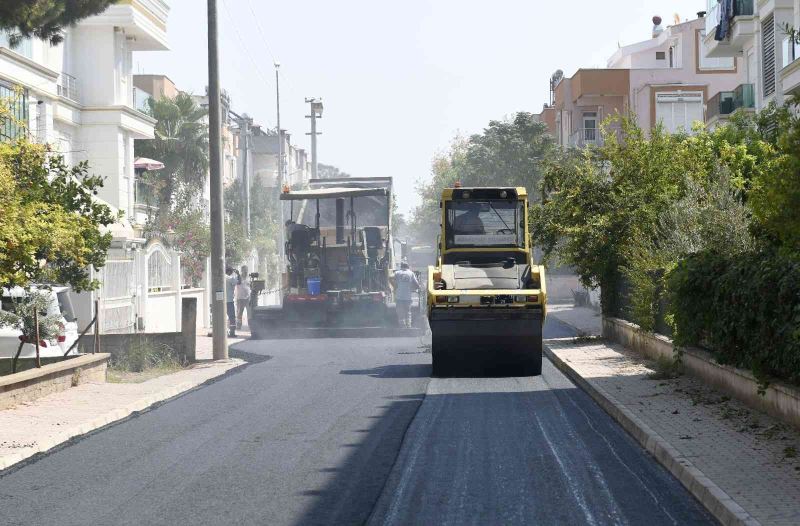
{"x": 487, "y": 300}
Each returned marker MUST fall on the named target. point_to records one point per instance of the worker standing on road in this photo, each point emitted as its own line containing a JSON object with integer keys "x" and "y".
{"x": 242, "y": 293}
{"x": 405, "y": 283}
{"x": 231, "y": 280}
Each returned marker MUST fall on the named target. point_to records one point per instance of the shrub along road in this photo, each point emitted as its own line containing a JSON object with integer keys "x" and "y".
{"x": 312, "y": 436}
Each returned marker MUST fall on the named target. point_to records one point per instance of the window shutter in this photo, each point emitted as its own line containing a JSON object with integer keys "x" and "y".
{"x": 768, "y": 54}
{"x": 677, "y": 111}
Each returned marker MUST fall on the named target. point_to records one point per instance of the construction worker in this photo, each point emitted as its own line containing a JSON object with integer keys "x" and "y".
{"x": 405, "y": 283}
{"x": 231, "y": 280}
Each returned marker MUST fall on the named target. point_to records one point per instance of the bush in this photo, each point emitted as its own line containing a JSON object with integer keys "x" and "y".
{"x": 745, "y": 308}
{"x": 144, "y": 355}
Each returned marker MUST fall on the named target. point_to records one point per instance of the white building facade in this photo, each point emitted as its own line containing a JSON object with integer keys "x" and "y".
{"x": 78, "y": 97}
{"x": 756, "y": 31}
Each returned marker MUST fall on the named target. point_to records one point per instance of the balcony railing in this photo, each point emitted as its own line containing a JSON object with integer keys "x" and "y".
{"x": 744, "y": 97}
{"x": 68, "y": 86}
{"x": 585, "y": 137}
{"x": 791, "y": 50}
{"x": 740, "y": 8}
{"x": 725, "y": 103}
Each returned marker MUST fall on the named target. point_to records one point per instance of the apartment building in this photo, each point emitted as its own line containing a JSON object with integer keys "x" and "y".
{"x": 754, "y": 33}
{"x": 665, "y": 80}
{"x": 147, "y": 86}
{"x": 78, "y": 97}
{"x": 297, "y": 168}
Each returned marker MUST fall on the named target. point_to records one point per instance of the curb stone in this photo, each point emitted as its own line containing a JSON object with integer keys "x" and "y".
{"x": 111, "y": 417}
{"x": 716, "y": 501}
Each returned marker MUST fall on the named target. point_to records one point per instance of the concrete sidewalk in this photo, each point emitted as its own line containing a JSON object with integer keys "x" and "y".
{"x": 38, "y": 426}
{"x": 741, "y": 464}
{"x": 586, "y": 321}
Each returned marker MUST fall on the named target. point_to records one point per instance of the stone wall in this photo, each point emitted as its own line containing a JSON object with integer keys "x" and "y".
{"x": 35, "y": 383}
{"x": 182, "y": 343}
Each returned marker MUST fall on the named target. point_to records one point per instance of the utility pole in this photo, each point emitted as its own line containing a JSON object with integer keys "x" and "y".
{"x": 244, "y": 138}
{"x": 281, "y": 179}
{"x": 218, "y": 324}
{"x": 316, "y": 113}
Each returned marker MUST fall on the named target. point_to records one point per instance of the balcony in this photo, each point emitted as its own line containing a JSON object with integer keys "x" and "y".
{"x": 790, "y": 74}
{"x": 588, "y": 84}
{"x": 725, "y": 103}
{"x": 68, "y": 87}
{"x": 742, "y": 29}
{"x": 144, "y": 22}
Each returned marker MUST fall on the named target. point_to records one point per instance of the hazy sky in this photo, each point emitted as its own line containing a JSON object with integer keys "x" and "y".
{"x": 398, "y": 79}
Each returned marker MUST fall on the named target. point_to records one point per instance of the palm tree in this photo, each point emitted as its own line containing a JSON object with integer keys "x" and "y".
{"x": 181, "y": 143}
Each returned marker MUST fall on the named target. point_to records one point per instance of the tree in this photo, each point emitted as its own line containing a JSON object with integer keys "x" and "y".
{"x": 51, "y": 223}
{"x": 326, "y": 171}
{"x": 46, "y": 19}
{"x": 625, "y": 212}
{"x": 181, "y": 143}
{"x": 446, "y": 169}
{"x": 775, "y": 197}
{"x": 264, "y": 221}
{"x": 507, "y": 153}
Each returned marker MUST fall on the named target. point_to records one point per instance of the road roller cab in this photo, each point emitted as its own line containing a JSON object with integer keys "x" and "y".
{"x": 486, "y": 297}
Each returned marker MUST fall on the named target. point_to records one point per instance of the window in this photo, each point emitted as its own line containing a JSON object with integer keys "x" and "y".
{"x": 492, "y": 223}
{"x": 23, "y": 47}
{"x": 14, "y": 126}
{"x": 661, "y": 55}
{"x": 711, "y": 64}
{"x": 677, "y": 111}
{"x": 768, "y": 54}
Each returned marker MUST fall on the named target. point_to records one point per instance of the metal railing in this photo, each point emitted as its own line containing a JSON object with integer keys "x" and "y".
{"x": 585, "y": 137}
{"x": 68, "y": 86}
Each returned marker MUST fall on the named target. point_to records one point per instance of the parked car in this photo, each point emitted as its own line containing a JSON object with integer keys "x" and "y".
{"x": 59, "y": 304}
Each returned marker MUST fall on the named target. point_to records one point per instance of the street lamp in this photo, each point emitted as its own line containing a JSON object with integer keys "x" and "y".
{"x": 316, "y": 113}
{"x": 316, "y": 107}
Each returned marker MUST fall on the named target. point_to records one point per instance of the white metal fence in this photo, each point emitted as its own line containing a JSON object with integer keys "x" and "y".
{"x": 116, "y": 295}
{"x": 160, "y": 272}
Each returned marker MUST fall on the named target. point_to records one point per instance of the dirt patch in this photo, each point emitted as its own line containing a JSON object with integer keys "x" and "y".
{"x": 116, "y": 376}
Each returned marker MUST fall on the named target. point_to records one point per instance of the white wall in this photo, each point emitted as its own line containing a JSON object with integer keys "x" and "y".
{"x": 160, "y": 312}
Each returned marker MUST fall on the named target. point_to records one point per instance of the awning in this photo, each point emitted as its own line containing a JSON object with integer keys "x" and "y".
{"x": 332, "y": 193}
{"x": 143, "y": 163}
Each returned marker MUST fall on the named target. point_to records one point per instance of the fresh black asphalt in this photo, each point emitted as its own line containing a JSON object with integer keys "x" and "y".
{"x": 315, "y": 435}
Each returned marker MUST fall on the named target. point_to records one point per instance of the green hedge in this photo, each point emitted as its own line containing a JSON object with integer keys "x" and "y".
{"x": 745, "y": 309}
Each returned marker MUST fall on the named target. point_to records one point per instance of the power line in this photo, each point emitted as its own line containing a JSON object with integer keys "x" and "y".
{"x": 261, "y": 31}
{"x": 267, "y": 46}
{"x": 244, "y": 48}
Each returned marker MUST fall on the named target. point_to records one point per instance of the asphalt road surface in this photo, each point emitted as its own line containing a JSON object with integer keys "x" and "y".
{"x": 348, "y": 431}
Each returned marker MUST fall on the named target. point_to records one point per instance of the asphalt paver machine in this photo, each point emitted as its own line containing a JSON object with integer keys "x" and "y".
{"x": 338, "y": 259}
